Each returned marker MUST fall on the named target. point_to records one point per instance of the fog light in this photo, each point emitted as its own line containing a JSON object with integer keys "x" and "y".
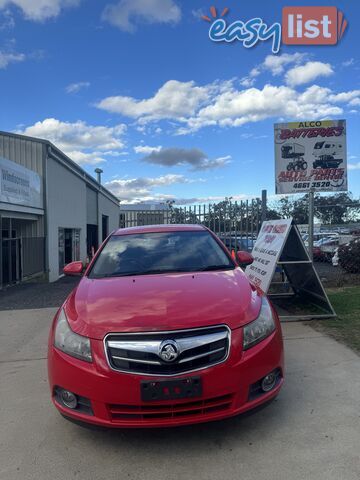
{"x": 268, "y": 382}
{"x": 69, "y": 399}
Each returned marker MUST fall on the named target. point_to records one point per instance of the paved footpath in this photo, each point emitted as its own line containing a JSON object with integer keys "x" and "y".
{"x": 312, "y": 430}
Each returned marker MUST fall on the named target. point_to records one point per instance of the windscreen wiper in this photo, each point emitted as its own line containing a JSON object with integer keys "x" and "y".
{"x": 210, "y": 268}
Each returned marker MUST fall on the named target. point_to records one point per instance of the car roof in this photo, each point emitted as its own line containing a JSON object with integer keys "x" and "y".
{"x": 159, "y": 229}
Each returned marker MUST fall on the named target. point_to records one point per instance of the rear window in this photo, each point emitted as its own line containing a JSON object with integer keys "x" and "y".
{"x": 148, "y": 253}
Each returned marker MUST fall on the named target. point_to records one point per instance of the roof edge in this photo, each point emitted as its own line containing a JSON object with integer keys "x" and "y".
{"x": 87, "y": 177}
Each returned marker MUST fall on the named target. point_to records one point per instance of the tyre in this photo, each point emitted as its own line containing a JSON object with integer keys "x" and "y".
{"x": 290, "y": 166}
{"x": 304, "y": 166}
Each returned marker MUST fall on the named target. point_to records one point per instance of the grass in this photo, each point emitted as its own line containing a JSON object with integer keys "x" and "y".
{"x": 346, "y": 327}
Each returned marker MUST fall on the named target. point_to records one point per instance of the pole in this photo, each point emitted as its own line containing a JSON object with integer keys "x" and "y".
{"x": 311, "y": 223}
{"x": 263, "y": 205}
{"x": 1, "y": 254}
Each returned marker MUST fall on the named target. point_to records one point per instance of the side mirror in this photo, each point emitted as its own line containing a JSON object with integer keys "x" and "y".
{"x": 73, "y": 269}
{"x": 244, "y": 258}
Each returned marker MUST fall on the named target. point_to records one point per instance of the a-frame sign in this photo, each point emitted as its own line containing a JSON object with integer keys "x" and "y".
{"x": 283, "y": 269}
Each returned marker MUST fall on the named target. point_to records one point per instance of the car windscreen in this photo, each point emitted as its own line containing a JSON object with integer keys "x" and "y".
{"x": 150, "y": 253}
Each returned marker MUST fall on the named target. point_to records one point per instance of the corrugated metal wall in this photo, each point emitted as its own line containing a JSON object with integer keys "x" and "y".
{"x": 27, "y": 153}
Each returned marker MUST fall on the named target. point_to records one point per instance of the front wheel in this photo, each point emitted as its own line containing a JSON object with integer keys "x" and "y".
{"x": 290, "y": 166}
{"x": 304, "y": 166}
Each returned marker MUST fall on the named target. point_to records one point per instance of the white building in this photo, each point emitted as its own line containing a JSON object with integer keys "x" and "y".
{"x": 51, "y": 211}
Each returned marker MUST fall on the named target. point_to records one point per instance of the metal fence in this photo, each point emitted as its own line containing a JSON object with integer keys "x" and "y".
{"x": 236, "y": 223}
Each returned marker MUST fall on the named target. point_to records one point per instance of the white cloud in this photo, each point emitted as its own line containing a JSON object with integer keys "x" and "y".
{"x": 135, "y": 190}
{"x": 76, "y": 87}
{"x": 247, "y": 81}
{"x": 6, "y": 20}
{"x": 7, "y": 58}
{"x": 235, "y": 108}
{"x": 355, "y": 102}
{"x": 39, "y": 10}
{"x": 354, "y": 166}
{"x": 273, "y": 63}
{"x": 348, "y": 63}
{"x": 198, "y": 13}
{"x": 247, "y": 136}
{"x": 146, "y": 150}
{"x": 189, "y": 107}
{"x": 126, "y": 14}
{"x": 83, "y": 158}
{"x": 307, "y": 73}
{"x": 250, "y": 79}
{"x": 82, "y": 142}
{"x": 174, "y": 100}
{"x": 211, "y": 199}
{"x": 276, "y": 63}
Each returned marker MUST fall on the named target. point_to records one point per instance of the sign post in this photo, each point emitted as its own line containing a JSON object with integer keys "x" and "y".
{"x": 311, "y": 224}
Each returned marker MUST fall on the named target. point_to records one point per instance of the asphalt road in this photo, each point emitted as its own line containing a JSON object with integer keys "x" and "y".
{"x": 312, "y": 430}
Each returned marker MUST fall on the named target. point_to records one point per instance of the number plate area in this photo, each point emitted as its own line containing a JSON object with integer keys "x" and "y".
{"x": 155, "y": 390}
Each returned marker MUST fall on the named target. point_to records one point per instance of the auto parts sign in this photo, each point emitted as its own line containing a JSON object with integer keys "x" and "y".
{"x": 310, "y": 156}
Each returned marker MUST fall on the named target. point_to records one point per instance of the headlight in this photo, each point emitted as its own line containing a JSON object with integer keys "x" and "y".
{"x": 260, "y": 328}
{"x": 70, "y": 342}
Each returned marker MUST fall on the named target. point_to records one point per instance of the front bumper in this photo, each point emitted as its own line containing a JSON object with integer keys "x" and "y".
{"x": 115, "y": 397}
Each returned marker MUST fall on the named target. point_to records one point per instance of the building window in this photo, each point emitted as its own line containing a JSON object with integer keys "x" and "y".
{"x": 69, "y": 246}
{"x": 122, "y": 220}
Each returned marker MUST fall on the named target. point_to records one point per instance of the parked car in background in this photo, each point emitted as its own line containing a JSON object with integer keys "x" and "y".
{"x": 325, "y": 248}
{"x": 318, "y": 236}
{"x": 164, "y": 329}
{"x": 238, "y": 243}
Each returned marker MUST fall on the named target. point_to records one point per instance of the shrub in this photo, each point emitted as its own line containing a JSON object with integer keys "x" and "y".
{"x": 349, "y": 256}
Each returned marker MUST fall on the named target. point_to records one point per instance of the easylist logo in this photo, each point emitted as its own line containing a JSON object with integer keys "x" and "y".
{"x": 300, "y": 26}
{"x": 312, "y": 25}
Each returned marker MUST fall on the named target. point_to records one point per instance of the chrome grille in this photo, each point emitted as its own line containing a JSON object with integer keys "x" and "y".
{"x": 139, "y": 352}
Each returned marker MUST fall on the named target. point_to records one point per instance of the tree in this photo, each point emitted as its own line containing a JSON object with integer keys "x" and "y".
{"x": 285, "y": 207}
{"x": 272, "y": 214}
{"x": 297, "y": 209}
{"x": 337, "y": 209}
{"x": 329, "y": 209}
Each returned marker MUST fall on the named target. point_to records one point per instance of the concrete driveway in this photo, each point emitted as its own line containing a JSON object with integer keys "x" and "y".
{"x": 312, "y": 431}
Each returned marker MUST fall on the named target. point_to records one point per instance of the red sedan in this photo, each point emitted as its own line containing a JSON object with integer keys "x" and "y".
{"x": 164, "y": 329}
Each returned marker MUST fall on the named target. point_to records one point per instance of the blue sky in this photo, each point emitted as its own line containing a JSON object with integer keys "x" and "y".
{"x": 137, "y": 88}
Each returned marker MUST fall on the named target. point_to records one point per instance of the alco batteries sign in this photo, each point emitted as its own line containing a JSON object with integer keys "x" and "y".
{"x": 310, "y": 156}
